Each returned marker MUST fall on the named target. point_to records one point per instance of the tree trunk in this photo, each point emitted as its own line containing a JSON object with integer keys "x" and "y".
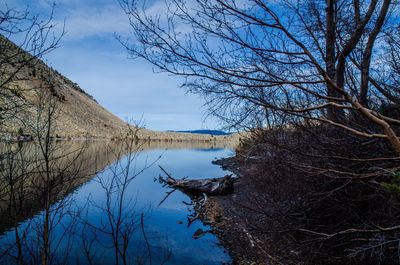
{"x": 334, "y": 113}
{"x": 366, "y": 61}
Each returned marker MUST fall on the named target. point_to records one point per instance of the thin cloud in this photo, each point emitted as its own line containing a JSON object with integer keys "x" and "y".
{"x": 104, "y": 21}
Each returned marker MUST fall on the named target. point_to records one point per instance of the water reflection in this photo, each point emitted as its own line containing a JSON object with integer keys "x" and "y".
{"x": 99, "y": 204}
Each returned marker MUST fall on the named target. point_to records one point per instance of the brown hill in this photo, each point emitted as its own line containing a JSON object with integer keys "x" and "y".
{"x": 78, "y": 114}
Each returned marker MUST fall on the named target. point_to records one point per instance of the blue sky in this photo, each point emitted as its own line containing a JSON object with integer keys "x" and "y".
{"x": 91, "y": 56}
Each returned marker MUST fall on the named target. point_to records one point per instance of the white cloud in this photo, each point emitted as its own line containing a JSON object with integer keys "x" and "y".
{"x": 88, "y": 22}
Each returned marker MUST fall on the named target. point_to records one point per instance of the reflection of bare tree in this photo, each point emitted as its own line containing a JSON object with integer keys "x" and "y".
{"x": 56, "y": 180}
{"x": 13, "y": 173}
{"x": 21, "y": 160}
{"x": 119, "y": 220}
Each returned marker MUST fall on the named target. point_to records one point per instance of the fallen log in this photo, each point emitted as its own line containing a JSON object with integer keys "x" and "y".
{"x": 214, "y": 186}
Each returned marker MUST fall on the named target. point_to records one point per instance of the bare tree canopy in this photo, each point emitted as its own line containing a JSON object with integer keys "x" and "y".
{"x": 267, "y": 62}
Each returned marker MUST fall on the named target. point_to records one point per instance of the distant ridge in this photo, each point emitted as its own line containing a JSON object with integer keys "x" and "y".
{"x": 210, "y": 132}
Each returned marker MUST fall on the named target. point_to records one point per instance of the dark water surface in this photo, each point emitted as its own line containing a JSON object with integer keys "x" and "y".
{"x": 116, "y": 212}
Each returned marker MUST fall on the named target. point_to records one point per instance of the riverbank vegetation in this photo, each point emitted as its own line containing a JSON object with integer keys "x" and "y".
{"x": 300, "y": 202}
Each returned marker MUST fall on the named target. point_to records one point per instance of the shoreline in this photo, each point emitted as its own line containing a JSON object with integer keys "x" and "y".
{"x": 114, "y": 139}
{"x": 158, "y": 137}
{"x": 232, "y": 224}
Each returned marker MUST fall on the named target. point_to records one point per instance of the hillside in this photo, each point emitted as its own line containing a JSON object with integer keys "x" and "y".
{"x": 78, "y": 114}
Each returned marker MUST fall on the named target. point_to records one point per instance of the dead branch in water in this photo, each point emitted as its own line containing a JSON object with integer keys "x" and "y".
{"x": 214, "y": 186}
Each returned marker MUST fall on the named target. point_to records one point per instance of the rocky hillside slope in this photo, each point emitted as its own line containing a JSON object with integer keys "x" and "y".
{"x": 34, "y": 85}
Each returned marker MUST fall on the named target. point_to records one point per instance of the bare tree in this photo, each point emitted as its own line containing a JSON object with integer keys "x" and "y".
{"x": 280, "y": 61}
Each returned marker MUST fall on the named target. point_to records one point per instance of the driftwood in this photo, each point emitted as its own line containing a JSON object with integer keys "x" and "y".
{"x": 214, "y": 186}
{"x": 197, "y": 190}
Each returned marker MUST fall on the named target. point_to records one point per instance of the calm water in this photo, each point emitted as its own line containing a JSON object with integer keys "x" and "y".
{"x": 119, "y": 206}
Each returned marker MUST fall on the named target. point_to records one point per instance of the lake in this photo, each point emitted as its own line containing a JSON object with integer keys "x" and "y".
{"x": 100, "y": 204}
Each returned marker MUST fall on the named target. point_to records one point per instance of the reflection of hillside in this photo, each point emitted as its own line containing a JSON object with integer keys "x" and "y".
{"x": 205, "y": 145}
{"x": 72, "y": 164}
{"x": 190, "y": 137}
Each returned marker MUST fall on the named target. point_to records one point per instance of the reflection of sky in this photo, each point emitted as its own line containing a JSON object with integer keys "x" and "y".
{"x": 162, "y": 223}
{"x": 90, "y": 55}
{"x": 179, "y": 163}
